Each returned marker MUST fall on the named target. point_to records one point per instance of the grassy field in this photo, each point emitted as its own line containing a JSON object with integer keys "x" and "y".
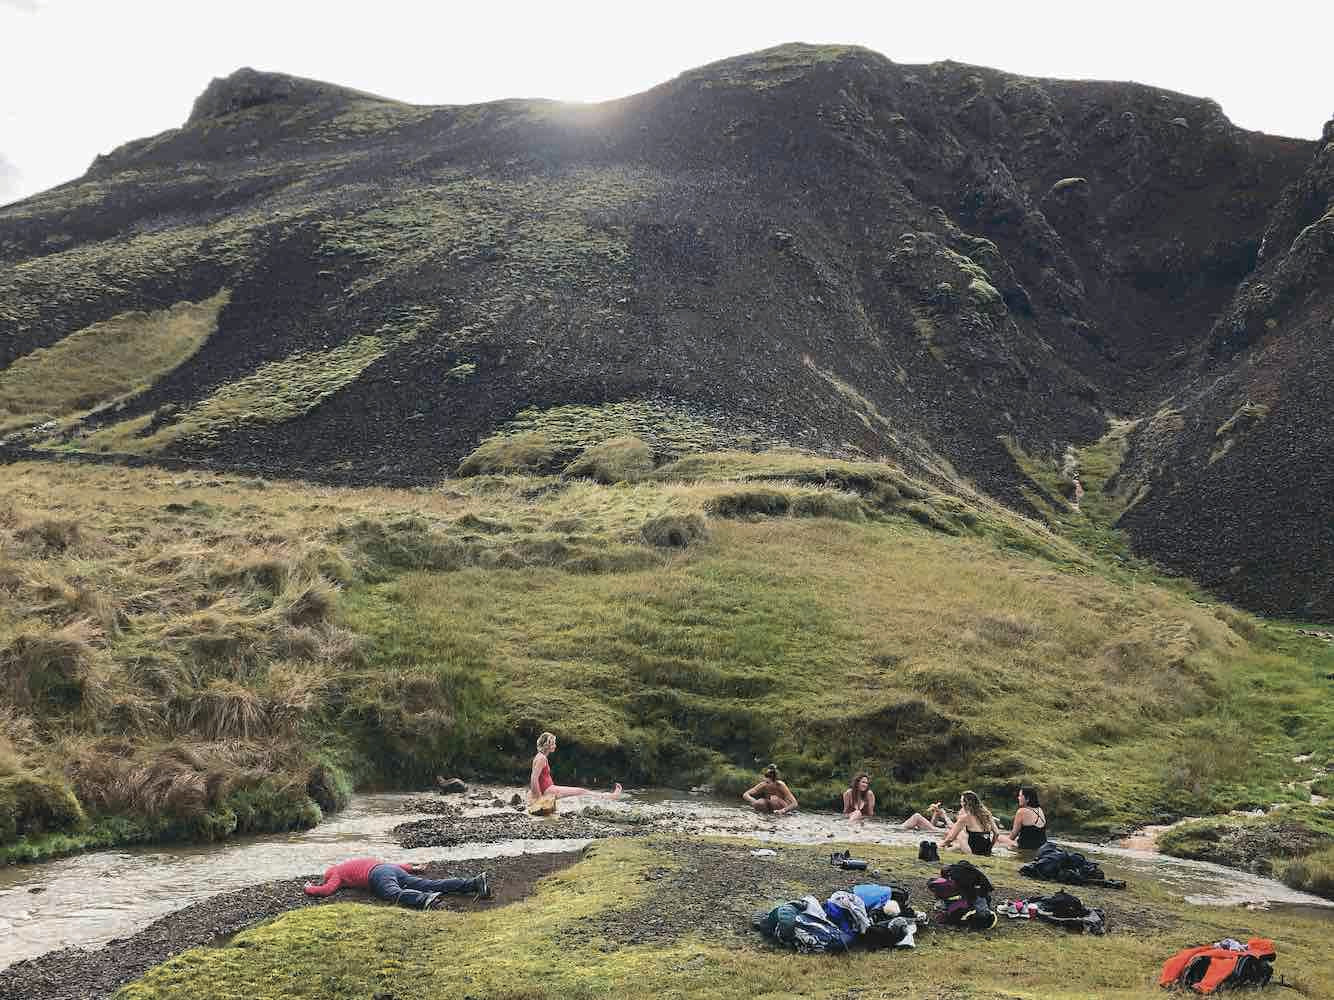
{"x": 654, "y": 919}
{"x": 187, "y": 655}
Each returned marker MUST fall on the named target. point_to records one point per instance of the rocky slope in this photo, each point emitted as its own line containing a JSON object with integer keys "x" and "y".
{"x": 810, "y": 245}
{"x": 1234, "y": 471}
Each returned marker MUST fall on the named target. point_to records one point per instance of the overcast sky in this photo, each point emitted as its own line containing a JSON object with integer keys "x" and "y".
{"x": 79, "y": 77}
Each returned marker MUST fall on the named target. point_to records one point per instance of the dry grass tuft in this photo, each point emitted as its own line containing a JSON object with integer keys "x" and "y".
{"x": 294, "y": 692}
{"x": 308, "y": 602}
{"x": 51, "y": 535}
{"x": 226, "y": 710}
{"x": 17, "y": 740}
{"x": 673, "y": 530}
{"x": 54, "y": 670}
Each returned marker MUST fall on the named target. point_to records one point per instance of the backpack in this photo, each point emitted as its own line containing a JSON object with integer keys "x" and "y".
{"x": 803, "y": 924}
{"x": 956, "y": 908}
{"x": 1209, "y": 968}
{"x": 970, "y": 879}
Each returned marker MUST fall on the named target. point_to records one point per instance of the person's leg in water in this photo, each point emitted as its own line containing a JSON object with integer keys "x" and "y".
{"x": 919, "y": 822}
{"x": 569, "y": 791}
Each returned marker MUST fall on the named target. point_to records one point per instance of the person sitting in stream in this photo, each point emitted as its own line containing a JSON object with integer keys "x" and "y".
{"x": 397, "y": 883}
{"x": 859, "y": 800}
{"x": 771, "y": 794}
{"x": 936, "y": 820}
{"x": 1030, "y": 822}
{"x": 542, "y": 786}
{"x": 976, "y": 821}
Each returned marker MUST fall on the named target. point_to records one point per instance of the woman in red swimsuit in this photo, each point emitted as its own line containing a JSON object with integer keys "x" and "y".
{"x": 540, "y": 782}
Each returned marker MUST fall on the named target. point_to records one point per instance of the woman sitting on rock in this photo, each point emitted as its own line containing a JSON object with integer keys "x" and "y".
{"x": 976, "y": 821}
{"x": 771, "y": 794}
{"x": 859, "y": 800}
{"x": 540, "y": 783}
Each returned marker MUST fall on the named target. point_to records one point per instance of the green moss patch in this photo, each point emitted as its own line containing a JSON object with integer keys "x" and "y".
{"x": 105, "y": 362}
{"x": 625, "y": 459}
{"x": 1258, "y": 843}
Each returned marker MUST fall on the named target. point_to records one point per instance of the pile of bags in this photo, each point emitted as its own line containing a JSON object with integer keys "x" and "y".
{"x": 872, "y": 916}
{"x": 963, "y": 894}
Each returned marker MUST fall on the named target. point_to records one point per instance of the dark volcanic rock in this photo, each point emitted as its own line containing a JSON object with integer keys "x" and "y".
{"x": 1237, "y": 470}
{"x": 450, "y": 831}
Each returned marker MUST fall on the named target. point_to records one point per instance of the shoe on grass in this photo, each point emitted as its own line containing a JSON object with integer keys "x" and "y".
{"x": 482, "y": 887}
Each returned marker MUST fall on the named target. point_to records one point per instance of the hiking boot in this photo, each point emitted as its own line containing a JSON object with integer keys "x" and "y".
{"x": 433, "y": 901}
{"x": 482, "y": 887}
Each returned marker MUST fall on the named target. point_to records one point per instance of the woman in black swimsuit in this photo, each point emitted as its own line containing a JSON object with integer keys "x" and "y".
{"x": 976, "y": 821}
{"x": 1030, "y": 822}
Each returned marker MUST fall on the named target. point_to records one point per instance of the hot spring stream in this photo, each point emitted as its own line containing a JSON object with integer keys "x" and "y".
{"x": 90, "y": 899}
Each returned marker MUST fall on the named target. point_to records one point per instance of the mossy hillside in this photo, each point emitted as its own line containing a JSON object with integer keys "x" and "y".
{"x": 275, "y": 392}
{"x": 576, "y": 938}
{"x": 670, "y": 631}
{"x": 105, "y": 362}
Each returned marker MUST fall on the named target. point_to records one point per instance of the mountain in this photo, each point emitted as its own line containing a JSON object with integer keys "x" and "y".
{"x": 945, "y": 265}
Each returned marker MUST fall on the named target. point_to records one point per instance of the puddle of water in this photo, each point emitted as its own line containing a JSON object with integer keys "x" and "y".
{"x": 90, "y": 899}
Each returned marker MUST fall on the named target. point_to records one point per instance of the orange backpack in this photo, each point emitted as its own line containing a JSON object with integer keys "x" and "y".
{"x": 1208, "y": 967}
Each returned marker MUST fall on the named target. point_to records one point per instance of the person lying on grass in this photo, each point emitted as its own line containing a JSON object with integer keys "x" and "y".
{"x": 771, "y": 795}
{"x": 859, "y": 800}
{"x": 397, "y": 883}
{"x": 542, "y": 785}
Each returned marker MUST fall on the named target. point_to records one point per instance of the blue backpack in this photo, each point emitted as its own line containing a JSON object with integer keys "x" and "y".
{"x": 796, "y": 924}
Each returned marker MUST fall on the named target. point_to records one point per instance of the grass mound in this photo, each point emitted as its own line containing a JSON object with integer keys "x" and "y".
{"x": 674, "y": 531}
{"x": 1312, "y": 872}
{"x": 512, "y": 454}
{"x": 620, "y": 460}
{"x": 1280, "y": 840}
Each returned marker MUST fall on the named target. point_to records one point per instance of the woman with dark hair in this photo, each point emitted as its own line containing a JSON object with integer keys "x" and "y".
{"x": 976, "y": 821}
{"x": 1030, "y": 822}
{"x": 859, "y": 800}
{"x": 771, "y": 794}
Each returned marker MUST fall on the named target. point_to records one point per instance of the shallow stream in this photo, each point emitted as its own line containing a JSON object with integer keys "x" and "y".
{"x": 90, "y": 899}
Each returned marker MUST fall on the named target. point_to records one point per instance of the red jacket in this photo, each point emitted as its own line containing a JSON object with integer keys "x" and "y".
{"x": 355, "y": 873}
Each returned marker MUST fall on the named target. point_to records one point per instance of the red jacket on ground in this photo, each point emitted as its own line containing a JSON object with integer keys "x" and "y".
{"x": 355, "y": 873}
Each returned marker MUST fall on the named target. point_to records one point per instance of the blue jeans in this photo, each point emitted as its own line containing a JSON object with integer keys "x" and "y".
{"x": 397, "y": 886}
